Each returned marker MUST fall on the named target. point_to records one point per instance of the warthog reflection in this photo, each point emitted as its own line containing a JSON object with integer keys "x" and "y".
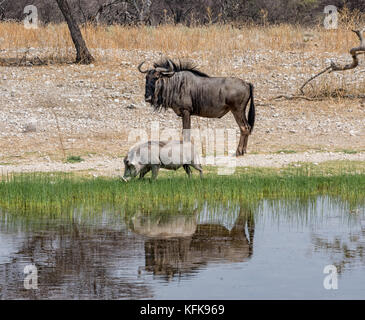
{"x": 180, "y": 245}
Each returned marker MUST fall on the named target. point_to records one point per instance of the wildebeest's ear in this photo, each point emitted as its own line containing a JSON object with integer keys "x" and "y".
{"x": 158, "y": 74}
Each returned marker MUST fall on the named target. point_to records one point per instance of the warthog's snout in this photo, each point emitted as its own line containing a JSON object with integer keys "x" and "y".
{"x": 148, "y": 99}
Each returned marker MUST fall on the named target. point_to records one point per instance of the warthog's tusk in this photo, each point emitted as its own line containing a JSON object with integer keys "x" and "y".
{"x": 124, "y": 179}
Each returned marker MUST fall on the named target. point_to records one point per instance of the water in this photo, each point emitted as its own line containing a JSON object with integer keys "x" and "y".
{"x": 274, "y": 250}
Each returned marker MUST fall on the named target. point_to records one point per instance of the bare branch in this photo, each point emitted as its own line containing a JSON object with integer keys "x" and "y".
{"x": 282, "y": 96}
{"x": 315, "y": 76}
{"x": 355, "y": 52}
{"x": 96, "y": 16}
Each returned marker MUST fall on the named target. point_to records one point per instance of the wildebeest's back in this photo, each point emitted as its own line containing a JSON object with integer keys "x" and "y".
{"x": 201, "y": 95}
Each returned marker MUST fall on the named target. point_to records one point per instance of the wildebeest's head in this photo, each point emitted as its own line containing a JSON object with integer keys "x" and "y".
{"x": 153, "y": 76}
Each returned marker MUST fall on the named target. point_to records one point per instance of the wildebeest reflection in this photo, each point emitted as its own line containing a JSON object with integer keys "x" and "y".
{"x": 180, "y": 245}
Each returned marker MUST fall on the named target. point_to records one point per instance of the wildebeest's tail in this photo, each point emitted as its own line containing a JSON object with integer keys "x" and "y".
{"x": 251, "y": 112}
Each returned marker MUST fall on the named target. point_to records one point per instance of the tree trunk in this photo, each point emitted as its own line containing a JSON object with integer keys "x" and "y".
{"x": 83, "y": 54}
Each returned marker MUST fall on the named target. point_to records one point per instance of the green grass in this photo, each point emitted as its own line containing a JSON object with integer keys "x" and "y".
{"x": 286, "y": 151}
{"x": 57, "y": 193}
{"x": 74, "y": 159}
{"x": 347, "y": 151}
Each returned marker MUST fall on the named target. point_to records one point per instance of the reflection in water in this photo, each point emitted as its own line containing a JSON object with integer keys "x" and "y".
{"x": 346, "y": 251}
{"x": 179, "y": 245}
{"x": 73, "y": 261}
{"x": 259, "y": 252}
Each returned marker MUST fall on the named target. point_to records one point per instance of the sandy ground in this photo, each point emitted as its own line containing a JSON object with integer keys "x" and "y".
{"x": 50, "y": 112}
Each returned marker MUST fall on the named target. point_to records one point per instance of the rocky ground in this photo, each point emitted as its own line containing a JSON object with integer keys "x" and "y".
{"x": 50, "y": 112}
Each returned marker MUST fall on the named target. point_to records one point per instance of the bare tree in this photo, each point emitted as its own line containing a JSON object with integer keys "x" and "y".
{"x": 2, "y": 10}
{"x": 106, "y": 9}
{"x": 124, "y": 11}
{"x": 83, "y": 55}
{"x": 179, "y": 9}
{"x": 142, "y": 8}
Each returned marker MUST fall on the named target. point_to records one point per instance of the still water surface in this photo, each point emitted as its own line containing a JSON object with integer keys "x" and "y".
{"x": 277, "y": 250}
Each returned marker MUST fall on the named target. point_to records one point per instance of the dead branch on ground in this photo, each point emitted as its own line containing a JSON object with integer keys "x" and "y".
{"x": 355, "y": 52}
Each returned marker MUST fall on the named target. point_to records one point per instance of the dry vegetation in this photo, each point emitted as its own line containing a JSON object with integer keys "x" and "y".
{"x": 216, "y": 45}
{"x": 223, "y": 41}
{"x": 97, "y": 105}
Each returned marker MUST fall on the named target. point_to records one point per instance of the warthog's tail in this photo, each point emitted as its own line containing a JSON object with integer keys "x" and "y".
{"x": 251, "y": 112}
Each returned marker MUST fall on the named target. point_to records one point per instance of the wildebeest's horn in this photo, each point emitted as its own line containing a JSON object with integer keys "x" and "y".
{"x": 140, "y": 66}
{"x": 171, "y": 66}
{"x": 159, "y": 69}
{"x": 170, "y": 71}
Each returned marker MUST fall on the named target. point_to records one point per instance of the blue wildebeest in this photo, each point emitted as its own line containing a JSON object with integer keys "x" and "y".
{"x": 190, "y": 92}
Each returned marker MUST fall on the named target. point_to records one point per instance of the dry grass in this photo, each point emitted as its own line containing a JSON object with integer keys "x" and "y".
{"x": 331, "y": 87}
{"x": 215, "y": 44}
{"x": 221, "y": 41}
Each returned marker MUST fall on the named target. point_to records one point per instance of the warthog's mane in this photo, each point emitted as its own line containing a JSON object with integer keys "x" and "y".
{"x": 180, "y": 66}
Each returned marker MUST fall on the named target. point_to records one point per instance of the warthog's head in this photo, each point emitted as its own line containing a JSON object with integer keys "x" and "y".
{"x": 131, "y": 169}
{"x": 152, "y": 77}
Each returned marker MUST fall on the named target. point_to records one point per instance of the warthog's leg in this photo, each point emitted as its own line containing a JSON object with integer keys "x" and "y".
{"x": 199, "y": 168}
{"x": 144, "y": 171}
{"x": 155, "y": 170}
{"x": 187, "y": 169}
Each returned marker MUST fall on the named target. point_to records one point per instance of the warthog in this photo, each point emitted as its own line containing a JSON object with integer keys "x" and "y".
{"x": 153, "y": 155}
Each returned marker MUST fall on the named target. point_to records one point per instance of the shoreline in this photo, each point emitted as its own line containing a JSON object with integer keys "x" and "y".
{"x": 113, "y": 166}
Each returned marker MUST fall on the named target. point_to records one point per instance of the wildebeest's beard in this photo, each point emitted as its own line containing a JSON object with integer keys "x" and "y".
{"x": 157, "y": 100}
{"x": 150, "y": 87}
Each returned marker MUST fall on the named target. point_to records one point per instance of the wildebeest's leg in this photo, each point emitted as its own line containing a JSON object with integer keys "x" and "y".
{"x": 155, "y": 170}
{"x": 238, "y": 231}
{"x": 187, "y": 170}
{"x": 186, "y": 125}
{"x": 244, "y": 129}
{"x": 144, "y": 171}
{"x": 251, "y": 231}
{"x": 245, "y": 140}
{"x": 199, "y": 168}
